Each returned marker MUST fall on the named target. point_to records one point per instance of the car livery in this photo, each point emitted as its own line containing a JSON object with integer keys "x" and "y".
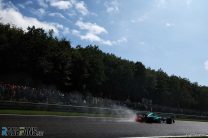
{"x": 151, "y": 117}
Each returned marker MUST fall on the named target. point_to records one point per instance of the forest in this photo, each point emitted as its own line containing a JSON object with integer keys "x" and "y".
{"x": 38, "y": 58}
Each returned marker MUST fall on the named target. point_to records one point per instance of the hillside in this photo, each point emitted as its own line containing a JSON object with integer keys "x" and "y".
{"x": 36, "y": 58}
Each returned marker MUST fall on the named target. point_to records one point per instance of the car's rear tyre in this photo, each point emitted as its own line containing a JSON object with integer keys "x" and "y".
{"x": 169, "y": 121}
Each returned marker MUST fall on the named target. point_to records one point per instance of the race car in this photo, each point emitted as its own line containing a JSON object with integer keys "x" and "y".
{"x": 151, "y": 117}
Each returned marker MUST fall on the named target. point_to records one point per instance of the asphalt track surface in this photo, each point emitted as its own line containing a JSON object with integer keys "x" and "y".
{"x": 87, "y": 127}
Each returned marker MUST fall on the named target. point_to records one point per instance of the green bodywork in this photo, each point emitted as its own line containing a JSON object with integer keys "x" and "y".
{"x": 154, "y": 116}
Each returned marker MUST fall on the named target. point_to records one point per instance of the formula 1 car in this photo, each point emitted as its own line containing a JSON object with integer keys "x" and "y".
{"x": 151, "y": 117}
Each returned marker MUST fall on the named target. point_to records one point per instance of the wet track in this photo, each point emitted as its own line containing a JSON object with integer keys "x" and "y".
{"x": 65, "y": 127}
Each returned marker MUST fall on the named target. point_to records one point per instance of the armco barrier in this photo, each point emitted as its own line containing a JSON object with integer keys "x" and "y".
{"x": 58, "y": 107}
{"x": 122, "y": 111}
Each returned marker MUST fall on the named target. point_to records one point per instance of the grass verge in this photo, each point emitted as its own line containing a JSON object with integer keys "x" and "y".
{"x": 57, "y": 113}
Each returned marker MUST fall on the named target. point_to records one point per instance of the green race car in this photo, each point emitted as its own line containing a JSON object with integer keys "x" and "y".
{"x": 151, "y": 117}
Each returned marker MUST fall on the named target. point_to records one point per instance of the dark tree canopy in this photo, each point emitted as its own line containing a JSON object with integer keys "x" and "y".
{"x": 36, "y": 57}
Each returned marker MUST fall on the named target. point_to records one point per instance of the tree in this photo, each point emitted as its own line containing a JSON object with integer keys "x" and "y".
{"x": 44, "y": 59}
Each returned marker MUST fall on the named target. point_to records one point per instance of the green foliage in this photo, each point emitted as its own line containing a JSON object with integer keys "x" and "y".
{"x": 50, "y": 61}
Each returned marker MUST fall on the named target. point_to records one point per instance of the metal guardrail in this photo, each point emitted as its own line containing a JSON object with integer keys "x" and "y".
{"x": 122, "y": 111}
{"x": 78, "y": 106}
{"x": 58, "y": 107}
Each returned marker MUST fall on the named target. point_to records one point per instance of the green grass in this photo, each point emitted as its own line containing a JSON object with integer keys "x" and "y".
{"x": 36, "y": 112}
{"x": 39, "y": 112}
